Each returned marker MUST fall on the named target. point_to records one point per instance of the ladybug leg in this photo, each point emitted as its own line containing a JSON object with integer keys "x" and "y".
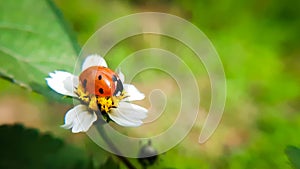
{"x": 105, "y": 117}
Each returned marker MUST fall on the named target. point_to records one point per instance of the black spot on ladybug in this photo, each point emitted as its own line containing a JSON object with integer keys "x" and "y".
{"x": 84, "y": 83}
{"x": 99, "y": 77}
{"x": 119, "y": 87}
{"x": 101, "y": 91}
{"x": 114, "y": 78}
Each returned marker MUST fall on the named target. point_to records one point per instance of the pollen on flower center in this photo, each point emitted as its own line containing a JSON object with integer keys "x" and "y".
{"x": 95, "y": 103}
{"x": 105, "y": 103}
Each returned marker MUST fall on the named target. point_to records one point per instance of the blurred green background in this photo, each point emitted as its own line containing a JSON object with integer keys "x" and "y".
{"x": 258, "y": 43}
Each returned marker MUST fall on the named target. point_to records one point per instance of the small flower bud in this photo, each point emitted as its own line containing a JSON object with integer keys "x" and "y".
{"x": 147, "y": 155}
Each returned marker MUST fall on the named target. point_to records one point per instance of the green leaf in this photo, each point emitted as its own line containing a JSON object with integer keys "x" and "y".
{"x": 293, "y": 154}
{"x": 27, "y": 148}
{"x": 34, "y": 41}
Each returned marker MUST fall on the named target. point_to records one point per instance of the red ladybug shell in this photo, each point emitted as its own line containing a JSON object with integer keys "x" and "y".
{"x": 101, "y": 81}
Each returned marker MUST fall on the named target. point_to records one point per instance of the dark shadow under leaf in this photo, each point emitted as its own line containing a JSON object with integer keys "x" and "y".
{"x": 27, "y": 148}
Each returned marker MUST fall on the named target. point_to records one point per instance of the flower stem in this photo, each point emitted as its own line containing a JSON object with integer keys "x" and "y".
{"x": 99, "y": 126}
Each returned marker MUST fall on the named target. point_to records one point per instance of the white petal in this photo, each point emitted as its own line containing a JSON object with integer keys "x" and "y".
{"x": 133, "y": 93}
{"x": 62, "y": 82}
{"x": 79, "y": 119}
{"x": 128, "y": 114}
{"x": 116, "y": 117}
{"x": 121, "y": 75}
{"x": 93, "y": 60}
{"x": 84, "y": 121}
{"x": 71, "y": 115}
{"x": 132, "y": 111}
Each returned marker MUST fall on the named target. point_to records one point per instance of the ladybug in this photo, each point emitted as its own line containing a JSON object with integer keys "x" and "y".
{"x": 101, "y": 81}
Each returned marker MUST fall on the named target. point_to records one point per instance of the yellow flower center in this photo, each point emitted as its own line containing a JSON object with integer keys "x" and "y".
{"x": 96, "y": 102}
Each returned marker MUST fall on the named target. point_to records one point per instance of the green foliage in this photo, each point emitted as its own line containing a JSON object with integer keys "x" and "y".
{"x": 27, "y": 148}
{"x": 34, "y": 41}
{"x": 258, "y": 42}
{"x": 293, "y": 154}
{"x": 110, "y": 163}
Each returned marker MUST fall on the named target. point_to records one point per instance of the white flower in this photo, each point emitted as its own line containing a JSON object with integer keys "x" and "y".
{"x": 81, "y": 117}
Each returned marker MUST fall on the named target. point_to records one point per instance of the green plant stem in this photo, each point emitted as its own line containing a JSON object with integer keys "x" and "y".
{"x": 99, "y": 126}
